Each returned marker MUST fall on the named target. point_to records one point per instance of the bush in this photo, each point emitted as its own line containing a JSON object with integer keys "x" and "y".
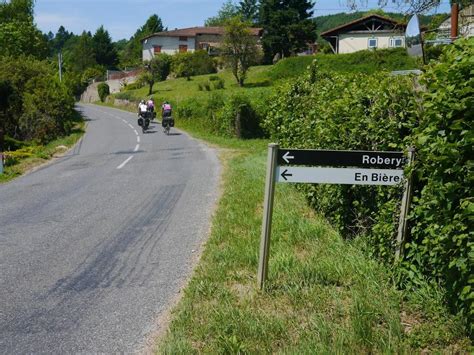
{"x": 218, "y": 84}
{"x": 103, "y": 90}
{"x": 191, "y": 64}
{"x": 41, "y": 108}
{"x": 442, "y": 217}
{"x": 381, "y": 112}
{"x": 237, "y": 118}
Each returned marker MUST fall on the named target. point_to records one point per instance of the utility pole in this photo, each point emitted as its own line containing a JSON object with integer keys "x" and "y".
{"x": 454, "y": 21}
{"x": 60, "y": 64}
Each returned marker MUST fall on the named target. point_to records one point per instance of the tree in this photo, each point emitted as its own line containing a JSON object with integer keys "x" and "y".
{"x": 226, "y": 12}
{"x": 239, "y": 48}
{"x": 132, "y": 54}
{"x": 156, "y": 69}
{"x": 82, "y": 55}
{"x": 104, "y": 50}
{"x": 18, "y": 33}
{"x": 104, "y": 91}
{"x": 249, "y": 10}
{"x": 288, "y": 27}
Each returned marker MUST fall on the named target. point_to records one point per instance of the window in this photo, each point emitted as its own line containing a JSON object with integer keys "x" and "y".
{"x": 183, "y": 38}
{"x": 372, "y": 42}
{"x": 156, "y": 49}
{"x": 396, "y": 42}
{"x": 183, "y": 48}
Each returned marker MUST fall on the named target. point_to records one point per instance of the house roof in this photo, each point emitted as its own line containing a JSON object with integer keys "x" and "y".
{"x": 195, "y": 31}
{"x": 348, "y": 26}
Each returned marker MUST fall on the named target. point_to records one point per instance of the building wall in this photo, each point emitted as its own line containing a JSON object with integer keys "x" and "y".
{"x": 169, "y": 45}
{"x": 349, "y": 43}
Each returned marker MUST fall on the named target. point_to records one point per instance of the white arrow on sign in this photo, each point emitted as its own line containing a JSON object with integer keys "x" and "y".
{"x": 287, "y": 157}
{"x": 352, "y": 176}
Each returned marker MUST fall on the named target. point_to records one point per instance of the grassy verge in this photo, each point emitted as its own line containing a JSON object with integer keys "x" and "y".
{"x": 33, "y": 155}
{"x": 324, "y": 294}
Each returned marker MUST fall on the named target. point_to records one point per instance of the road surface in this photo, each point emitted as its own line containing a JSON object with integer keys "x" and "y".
{"x": 95, "y": 246}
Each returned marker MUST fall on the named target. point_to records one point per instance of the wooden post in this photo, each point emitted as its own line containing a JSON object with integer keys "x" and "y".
{"x": 267, "y": 215}
{"x": 454, "y": 21}
{"x": 405, "y": 207}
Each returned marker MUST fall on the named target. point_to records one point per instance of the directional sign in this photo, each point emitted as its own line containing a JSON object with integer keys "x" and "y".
{"x": 338, "y": 176}
{"x": 361, "y": 159}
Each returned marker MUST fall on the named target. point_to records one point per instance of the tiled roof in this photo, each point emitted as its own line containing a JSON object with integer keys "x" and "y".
{"x": 341, "y": 28}
{"x": 194, "y": 31}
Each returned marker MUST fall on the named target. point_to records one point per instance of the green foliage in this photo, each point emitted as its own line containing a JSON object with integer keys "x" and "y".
{"x": 328, "y": 110}
{"x": 103, "y": 90}
{"x": 226, "y": 12}
{"x": 239, "y": 48}
{"x": 131, "y": 55}
{"x": 104, "y": 51}
{"x": 288, "y": 27}
{"x": 367, "y": 62}
{"x": 192, "y": 63}
{"x": 157, "y": 69}
{"x": 82, "y": 55}
{"x": 442, "y": 236}
{"x": 40, "y": 107}
{"x": 18, "y": 33}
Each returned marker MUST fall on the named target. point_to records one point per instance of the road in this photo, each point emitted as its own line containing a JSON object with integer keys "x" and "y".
{"x": 96, "y": 245}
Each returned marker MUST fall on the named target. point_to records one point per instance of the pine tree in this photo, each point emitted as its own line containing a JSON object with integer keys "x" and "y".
{"x": 288, "y": 26}
{"x": 104, "y": 50}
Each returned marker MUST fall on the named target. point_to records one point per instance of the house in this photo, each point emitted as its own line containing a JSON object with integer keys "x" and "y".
{"x": 369, "y": 32}
{"x": 186, "y": 40}
{"x": 465, "y": 24}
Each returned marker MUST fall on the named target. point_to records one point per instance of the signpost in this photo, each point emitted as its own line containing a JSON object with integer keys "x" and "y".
{"x": 330, "y": 167}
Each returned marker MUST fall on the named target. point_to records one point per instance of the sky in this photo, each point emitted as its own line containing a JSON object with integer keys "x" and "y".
{"x": 123, "y": 17}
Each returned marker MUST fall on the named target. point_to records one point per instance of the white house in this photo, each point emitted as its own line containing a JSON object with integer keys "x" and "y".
{"x": 369, "y": 32}
{"x": 186, "y": 40}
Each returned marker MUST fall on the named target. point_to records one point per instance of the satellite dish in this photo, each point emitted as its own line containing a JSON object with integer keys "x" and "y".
{"x": 413, "y": 38}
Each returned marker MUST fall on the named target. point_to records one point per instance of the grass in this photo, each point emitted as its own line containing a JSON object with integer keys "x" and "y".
{"x": 33, "y": 155}
{"x": 324, "y": 294}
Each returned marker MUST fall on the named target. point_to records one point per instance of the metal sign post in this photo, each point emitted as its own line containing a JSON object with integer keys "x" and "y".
{"x": 267, "y": 214}
{"x": 330, "y": 167}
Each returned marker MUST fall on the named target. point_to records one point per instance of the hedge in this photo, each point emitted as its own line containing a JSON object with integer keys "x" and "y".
{"x": 384, "y": 112}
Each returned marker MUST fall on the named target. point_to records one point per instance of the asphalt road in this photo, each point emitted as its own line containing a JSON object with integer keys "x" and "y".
{"x": 95, "y": 246}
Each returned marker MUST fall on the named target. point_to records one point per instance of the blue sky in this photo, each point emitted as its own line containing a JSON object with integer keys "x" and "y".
{"x": 122, "y": 17}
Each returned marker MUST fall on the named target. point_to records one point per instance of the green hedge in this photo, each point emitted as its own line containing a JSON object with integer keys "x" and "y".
{"x": 330, "y": 110}
{"x": 236, "y": 115}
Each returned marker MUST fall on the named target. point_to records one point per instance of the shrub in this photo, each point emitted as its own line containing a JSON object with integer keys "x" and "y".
{"x": 41, "y": 108}
{"x": 103, "y": 90}
{"x": 192, "y": 63}
{"x": 237, "y": 118}
{"x": 218, "y": 84}
{"x": 442, "y": 217}
{"x": 206, "y": 86}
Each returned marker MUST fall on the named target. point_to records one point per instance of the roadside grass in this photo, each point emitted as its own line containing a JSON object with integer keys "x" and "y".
{"x": 34, "y": 155}
{"x": 324, "y": 294}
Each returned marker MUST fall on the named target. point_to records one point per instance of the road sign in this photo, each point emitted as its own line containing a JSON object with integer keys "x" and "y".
{"x": 350, "y": 176}
{"x": 330, "y": 167}
{"x": 362, "y": 159}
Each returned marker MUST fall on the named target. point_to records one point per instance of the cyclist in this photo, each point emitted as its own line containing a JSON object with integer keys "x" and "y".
{"x": 166, "y": 110}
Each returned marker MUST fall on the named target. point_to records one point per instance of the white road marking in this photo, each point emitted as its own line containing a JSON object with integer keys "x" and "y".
{"x": 135, "y": 132}
{"x": 130, "y": 126}
{"x": 136, "y": 147}
{"x": 138, "y": 139}
{"x": 125, "y": 162}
